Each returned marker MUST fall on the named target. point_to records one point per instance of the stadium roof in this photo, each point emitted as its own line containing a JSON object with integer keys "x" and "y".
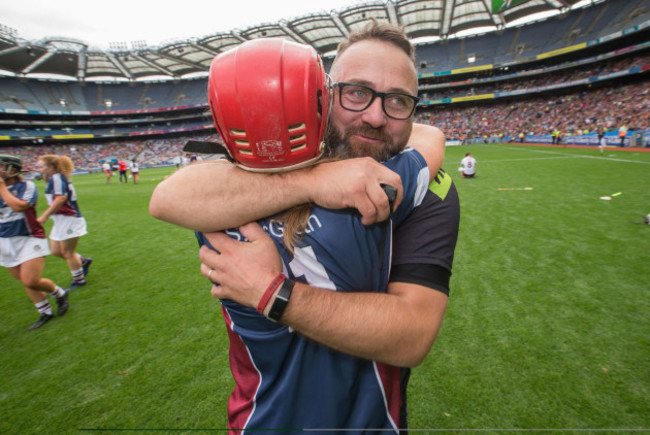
{"x": 75, "y": 60}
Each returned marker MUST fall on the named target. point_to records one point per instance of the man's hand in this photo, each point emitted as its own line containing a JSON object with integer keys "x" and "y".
{"x": 355, "y": 183}
{"x": 243, "y": 269}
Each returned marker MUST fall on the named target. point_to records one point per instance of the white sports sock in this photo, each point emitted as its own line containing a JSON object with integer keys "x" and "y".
{"x": 44, "y": 307}
{"x": 78, "y": 275}
{"x": 58, "y": 292}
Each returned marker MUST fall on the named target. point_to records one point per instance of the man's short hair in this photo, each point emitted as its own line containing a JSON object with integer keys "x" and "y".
{"x": 382, "y": 31}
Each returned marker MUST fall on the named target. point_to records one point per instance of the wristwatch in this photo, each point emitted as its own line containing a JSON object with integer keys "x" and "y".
{"x": 281, "y": 300}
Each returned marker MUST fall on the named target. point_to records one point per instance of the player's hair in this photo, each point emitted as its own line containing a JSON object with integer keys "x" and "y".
{"x": 381, "y": 31}
{"x": 61, "y": 164}
{"x": 295, "y": 220}
{"x": 294, "y": 224}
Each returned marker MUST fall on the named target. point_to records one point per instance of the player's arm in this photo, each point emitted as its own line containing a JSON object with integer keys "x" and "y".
{"x": 57, "y": 203}
{"x": 16, "y": 204}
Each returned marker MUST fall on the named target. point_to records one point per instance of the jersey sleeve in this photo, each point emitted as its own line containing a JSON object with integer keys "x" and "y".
{"x": 31, "y": 194}
{"x": 27, "y": 192}
{"x": 414, "y": 172}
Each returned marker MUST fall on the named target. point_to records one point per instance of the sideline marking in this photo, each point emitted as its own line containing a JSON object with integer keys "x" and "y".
{"x": 557, "y": 153}
{"x": 515, "y": 188}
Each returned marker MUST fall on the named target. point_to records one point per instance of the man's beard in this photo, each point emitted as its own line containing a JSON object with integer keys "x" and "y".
{"x": 344, "y": 146}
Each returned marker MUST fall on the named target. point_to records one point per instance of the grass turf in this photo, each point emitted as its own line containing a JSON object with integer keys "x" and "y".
{"x": 547, "y": 325}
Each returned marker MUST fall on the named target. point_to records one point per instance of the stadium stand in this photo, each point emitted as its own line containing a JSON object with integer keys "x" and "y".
{"x": 593, "y": 70}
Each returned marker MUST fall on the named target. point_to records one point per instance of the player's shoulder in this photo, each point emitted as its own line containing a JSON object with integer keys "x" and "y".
{"x": 408, "y": 156}
{"x": 24, "y": 189}
{"x": 22, "y": 185}
{"x": 56, "y": 178}
{"x": 442, "y": 185}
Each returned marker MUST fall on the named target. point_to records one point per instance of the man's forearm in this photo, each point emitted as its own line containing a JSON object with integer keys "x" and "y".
{"x": 214, "y": 196}
{"x": 218, "y": 195}
{"x": 396, "y": 328}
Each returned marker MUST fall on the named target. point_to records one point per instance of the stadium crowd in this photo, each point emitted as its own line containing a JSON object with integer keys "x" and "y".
{"x": 571, "y": 114}
{"x": 574, "y": 113}
{"x": 90, "y": 156}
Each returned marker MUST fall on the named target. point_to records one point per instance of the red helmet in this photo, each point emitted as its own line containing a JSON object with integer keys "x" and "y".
{"x": 269, "y": 101}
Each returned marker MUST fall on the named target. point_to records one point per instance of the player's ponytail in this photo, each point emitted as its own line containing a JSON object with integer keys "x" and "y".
{"x": 296, "y": 219}
{"x": 62, "y": 165}
{"x": 66, "y": 166}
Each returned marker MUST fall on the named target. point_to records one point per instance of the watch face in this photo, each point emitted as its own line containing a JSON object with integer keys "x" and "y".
{"x": 281, "y": 300}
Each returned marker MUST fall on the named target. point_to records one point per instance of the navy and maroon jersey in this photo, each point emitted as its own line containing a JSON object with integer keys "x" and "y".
{"x": 285, "y": 380}
{"x": 59, "y": 185}
{"x": 21, "y": 223}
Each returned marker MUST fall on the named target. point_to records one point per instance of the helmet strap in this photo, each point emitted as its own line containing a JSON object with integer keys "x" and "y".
{"x": 10, "y": 172}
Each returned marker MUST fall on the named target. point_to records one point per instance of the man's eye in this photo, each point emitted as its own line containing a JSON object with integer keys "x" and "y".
{"x": 358, "y": 93}
{"x": 398, "y": 101}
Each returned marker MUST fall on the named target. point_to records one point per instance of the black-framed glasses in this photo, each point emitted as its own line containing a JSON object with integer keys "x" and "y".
{"x": 357, "y": 98}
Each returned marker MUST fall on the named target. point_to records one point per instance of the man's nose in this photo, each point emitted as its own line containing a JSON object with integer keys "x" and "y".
{"x": 374, "y": 114}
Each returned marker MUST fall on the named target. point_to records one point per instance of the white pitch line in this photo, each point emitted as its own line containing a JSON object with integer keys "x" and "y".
{"x": 525, "y": 160}
{"x": 614, "y": 160}
{"x": 566, "y": 156}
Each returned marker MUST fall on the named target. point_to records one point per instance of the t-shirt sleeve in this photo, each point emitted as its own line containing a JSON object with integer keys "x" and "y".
{"x": 424, "y": 244}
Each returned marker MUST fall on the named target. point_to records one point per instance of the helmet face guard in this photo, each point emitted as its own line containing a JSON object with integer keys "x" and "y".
{"x": 269, "y": 100}
{"x": 12, "y": 166}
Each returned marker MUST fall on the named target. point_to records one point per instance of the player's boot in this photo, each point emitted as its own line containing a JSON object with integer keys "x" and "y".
{"x": 85, "y": 264}
{"x": 41, "y": 321}
{"x": 74, "y": 285}
{"x": 62, "y": 305}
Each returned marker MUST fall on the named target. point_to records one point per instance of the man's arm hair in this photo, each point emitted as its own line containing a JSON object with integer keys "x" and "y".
{"x": 217, "y": 195}
{"x": 397, "y": 327}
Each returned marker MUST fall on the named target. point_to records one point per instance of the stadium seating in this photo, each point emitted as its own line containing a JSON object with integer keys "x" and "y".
{"x": 136, "y": 119}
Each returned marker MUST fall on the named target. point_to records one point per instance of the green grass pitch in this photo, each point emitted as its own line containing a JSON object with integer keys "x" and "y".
{"x": 548, "y": 324}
